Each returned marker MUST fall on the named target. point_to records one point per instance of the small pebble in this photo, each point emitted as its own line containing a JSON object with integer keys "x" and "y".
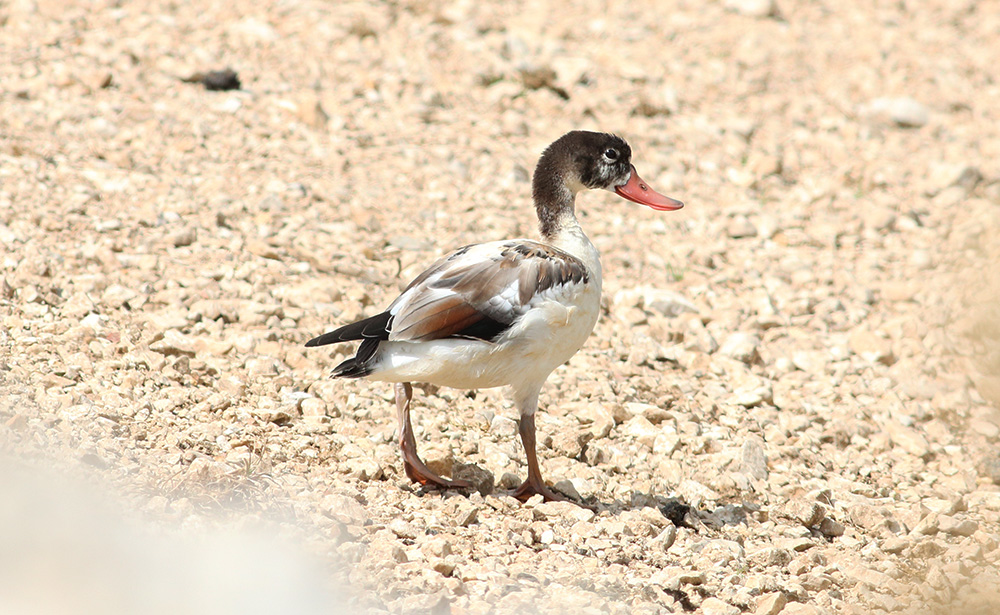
{"x": 221, "y": 80}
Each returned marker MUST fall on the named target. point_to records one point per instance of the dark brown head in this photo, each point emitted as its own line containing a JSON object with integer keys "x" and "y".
{"x": 581, "y": 160}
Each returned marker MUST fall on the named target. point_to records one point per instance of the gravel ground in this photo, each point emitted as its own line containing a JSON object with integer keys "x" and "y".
{"x": 790, "y": 404}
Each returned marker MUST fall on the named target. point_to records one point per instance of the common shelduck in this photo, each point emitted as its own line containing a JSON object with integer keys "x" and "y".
{"x": 503, "y": 313}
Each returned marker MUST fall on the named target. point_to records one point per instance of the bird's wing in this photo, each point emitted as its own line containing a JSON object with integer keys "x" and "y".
{"x": 479, "y": 291}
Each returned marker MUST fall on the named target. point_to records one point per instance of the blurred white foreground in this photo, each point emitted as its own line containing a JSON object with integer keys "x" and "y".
{"x": 66, "y": 550}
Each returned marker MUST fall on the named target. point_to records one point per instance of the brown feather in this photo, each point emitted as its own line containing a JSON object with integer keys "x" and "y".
{"x": 535, "y": 267}
{"x": 435, "y": 320}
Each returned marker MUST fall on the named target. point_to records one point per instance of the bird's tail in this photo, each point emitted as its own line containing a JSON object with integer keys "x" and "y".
{"x": 370, "y": 331}
{"x": 351, "y": 368}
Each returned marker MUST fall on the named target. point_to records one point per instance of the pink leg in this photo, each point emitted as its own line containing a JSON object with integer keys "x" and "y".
{"x": 415, "y": 468}
{"x": 534, "y": 484}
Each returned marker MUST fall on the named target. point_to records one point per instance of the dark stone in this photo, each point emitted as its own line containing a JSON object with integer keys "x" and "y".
{"x": 220, "y": 80}
{"x": 482, "y": 480}
{"x": 675, "y": 510}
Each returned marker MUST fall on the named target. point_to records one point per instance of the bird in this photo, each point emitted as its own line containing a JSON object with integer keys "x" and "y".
{"x": 501, "y": 313}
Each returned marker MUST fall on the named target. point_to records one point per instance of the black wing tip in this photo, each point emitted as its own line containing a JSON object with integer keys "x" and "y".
{"x": 351, "y": 368}
{"x": 323, "y": 340}
{"x": 376, "y": 327}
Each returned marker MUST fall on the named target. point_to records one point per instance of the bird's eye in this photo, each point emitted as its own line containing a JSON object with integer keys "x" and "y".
{"x": 611, "y": 154}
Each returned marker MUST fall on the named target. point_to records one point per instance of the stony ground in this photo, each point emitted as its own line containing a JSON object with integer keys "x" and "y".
{"x": 806, "y": 355}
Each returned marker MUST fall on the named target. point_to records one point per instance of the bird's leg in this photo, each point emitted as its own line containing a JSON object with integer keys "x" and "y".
{"x": 534, "y": 484}
{"x": 415, "y": 468}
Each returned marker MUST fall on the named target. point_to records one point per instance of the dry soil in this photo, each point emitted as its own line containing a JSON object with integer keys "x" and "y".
{"x": 806, "y": 355}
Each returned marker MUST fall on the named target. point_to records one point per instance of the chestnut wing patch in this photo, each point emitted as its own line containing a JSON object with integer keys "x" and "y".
{"x": 481, "y": 296}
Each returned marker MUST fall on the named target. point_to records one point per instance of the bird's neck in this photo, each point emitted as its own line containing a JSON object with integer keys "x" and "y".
{"x": 555, "y": 207}
{"x": 559, "y": 227}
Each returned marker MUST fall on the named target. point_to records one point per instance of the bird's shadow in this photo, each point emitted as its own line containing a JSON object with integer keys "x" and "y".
{"x": 679, "y": 512}
{"x": 673, "y": 509}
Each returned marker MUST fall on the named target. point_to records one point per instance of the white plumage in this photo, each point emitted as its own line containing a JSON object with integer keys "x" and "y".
{"x": 545, "y": 332}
